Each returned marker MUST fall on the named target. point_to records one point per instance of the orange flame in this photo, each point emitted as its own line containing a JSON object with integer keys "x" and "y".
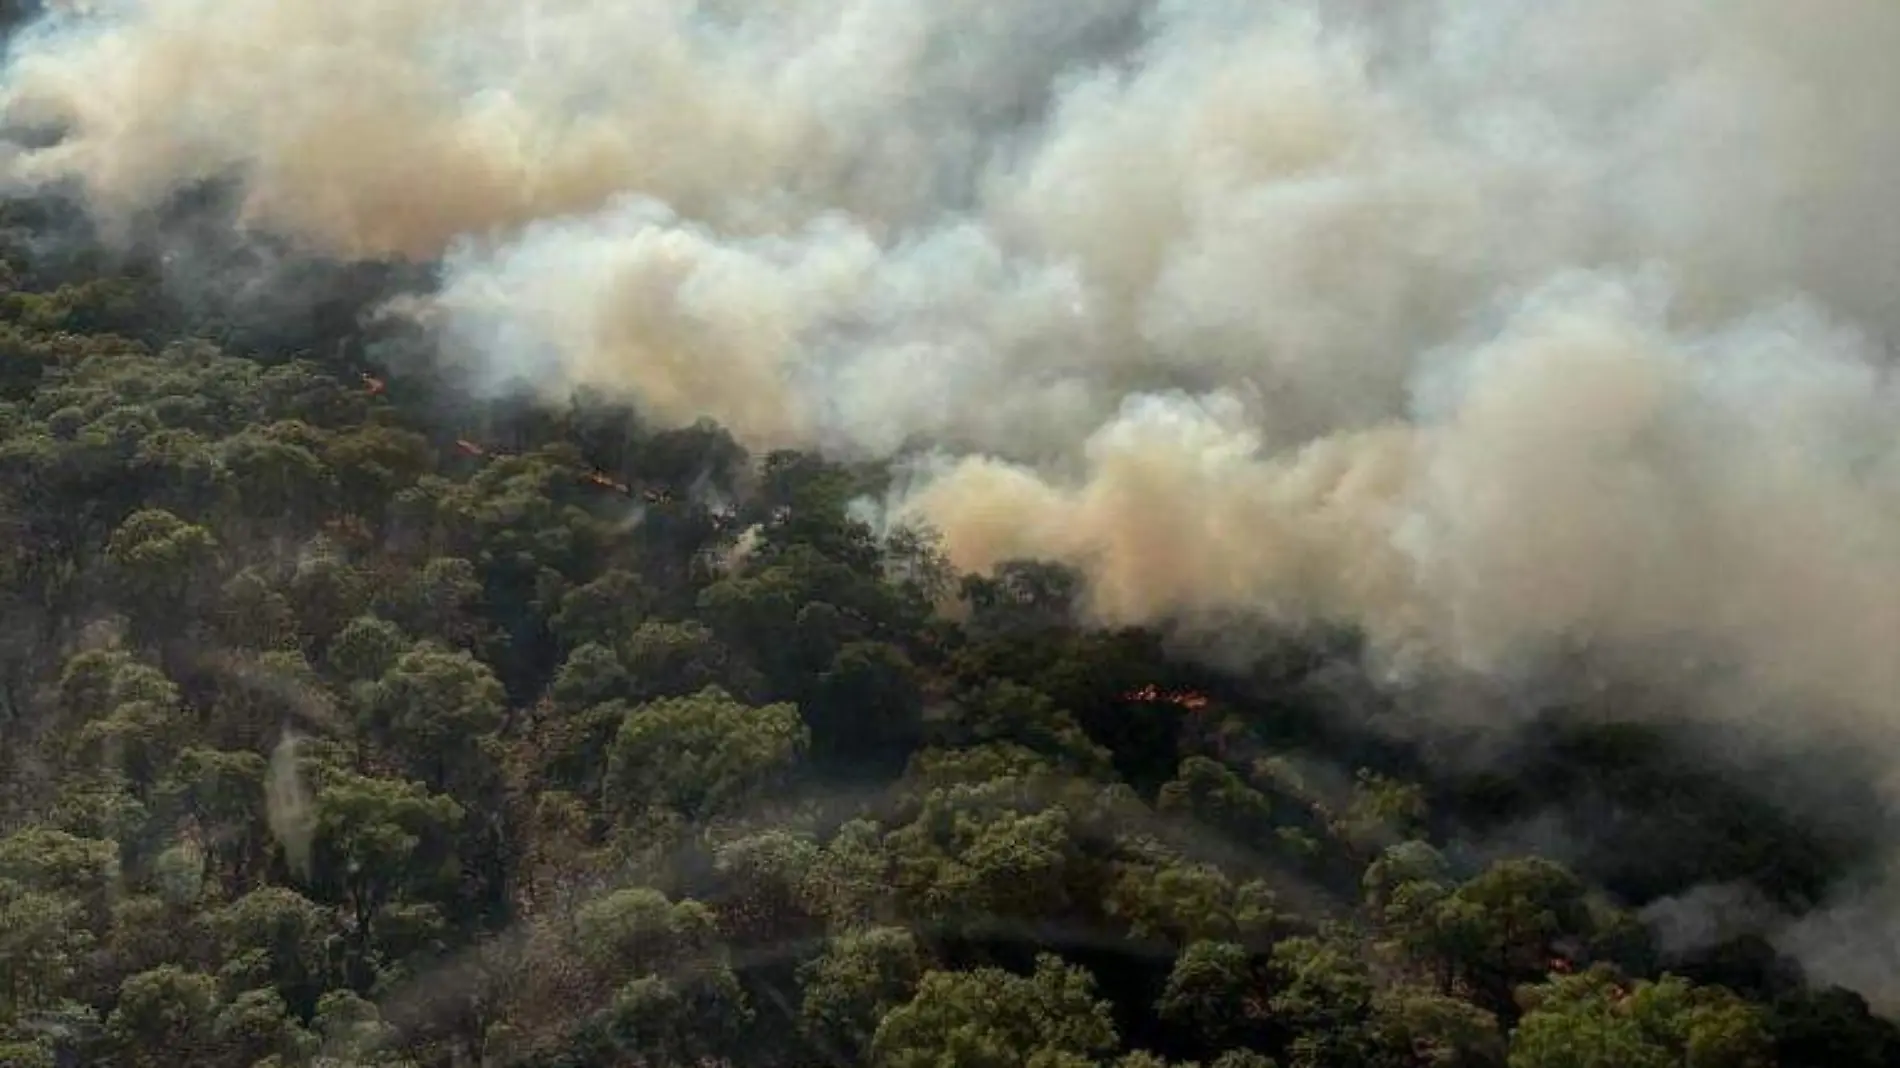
{"x": 470, "y": 447}
{"x": 1152, "y": 694}
{"x": 601, "y": 480}
{"x": 374, "y": 385}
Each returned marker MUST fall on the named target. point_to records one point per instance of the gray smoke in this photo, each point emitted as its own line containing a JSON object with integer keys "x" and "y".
{"x": 289, "y": 807}
{"x": 1708, "y": 916}
{"x": 1488, "y": 327}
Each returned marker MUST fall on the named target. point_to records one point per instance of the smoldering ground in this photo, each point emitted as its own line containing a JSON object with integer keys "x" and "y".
{"x": 1495, "y": 330}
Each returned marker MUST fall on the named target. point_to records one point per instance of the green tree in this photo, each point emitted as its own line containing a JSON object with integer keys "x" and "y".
{"x": 1502, "y": 926}
{"x": 702, "y": 756}
{"x": 849, "y": 879}
{"x": 274, "y": 937}
{"x": 440, "y": 710}
{"x": 136, "y": 739}
{"x": 152, "y": 929}
{"x": 1597, "y": 1019}
{"x": 1210, "y": 793}
{"x": 1322, "y": 993}
{"x": 693, "y": 1018}
{"x": 1212, "y": 993}
{"x": 1164, "y": 898}
{"x": 44, "y": 939}
{"x": 327, "y": 592}
{"x": 159, "y": 562}
{"x": 677, "y": 659}
{"x": 253, "y": 615}
{"x": 48, "y": 861}
{"x": 1430, "y": 1030}
{"x": 254, "y": 1025}
{"x": 374, "y": 463}
{"x": 858, "y": 979}
{"x": 1004, "y": 711}
{"x": 164, "y": 1017}
{"x": 976, "y": 864}
{"x": 351, "y": 1032}
{"x": 1381, "y": 810}
{"x": 440, "y": 600}
{"x": 763, "y": 878}
{"x": 276, "y": 474}
{"x": 865, "y": 709}
{"x": 990, "y": 1018}
{"x": 604, "y": 611}
{"x": 223, "y": 793}
{"x": 28, "y": 1054}
{"x": 377, "y": 839}
{"x": 591, "y": 675}
{"x": 638, "y": 931}
{"x": 366, "y": 648}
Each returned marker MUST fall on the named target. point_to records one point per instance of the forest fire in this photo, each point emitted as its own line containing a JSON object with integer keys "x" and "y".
{"x": 1491, "y": 401}
{"x": 1191, "y": 700}
{"x": 605, "y": 482}
{"x": 594, "y": 477}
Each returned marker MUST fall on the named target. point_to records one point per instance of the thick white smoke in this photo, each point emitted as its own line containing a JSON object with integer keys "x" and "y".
{"x": 1489, "y": 326}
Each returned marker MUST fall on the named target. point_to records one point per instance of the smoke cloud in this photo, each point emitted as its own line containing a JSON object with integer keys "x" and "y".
{"x": 1491, "y": 328}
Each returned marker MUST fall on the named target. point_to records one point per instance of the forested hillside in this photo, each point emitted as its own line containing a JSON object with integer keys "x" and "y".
{"x": 346, "y": 722}
{"x": 949, "y": 534}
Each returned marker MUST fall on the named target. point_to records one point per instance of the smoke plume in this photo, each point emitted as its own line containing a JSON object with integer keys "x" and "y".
{"x": 288, "y": 804}
{"x": 1490, "y": 328}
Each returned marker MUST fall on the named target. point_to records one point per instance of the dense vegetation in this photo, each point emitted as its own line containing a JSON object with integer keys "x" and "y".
{"x": 346, "y": 721}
